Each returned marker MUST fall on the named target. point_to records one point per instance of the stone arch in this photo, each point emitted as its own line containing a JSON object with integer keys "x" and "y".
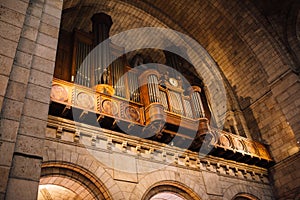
{"x": 72, "y": 177}
{"x": 245, "y": 196}
{"x": 89, "y": 166}
{"x": 172, "y": 187}
{"x": 235, "y": 190}
{"x": 171, "y": 178}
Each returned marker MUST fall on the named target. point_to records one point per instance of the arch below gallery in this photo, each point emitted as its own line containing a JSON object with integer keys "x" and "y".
{"x": 245, "y": 196}
{"x": 170, "y": 190}
{"x": 243, "y": 192}
{"x": 60, "y": 179}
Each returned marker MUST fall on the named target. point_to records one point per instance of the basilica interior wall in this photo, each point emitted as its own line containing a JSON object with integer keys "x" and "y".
{"x": 259, "y": 67}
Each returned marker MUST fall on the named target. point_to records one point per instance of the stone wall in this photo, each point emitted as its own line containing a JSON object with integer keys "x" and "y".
{"x": 257, "y": 66}
{"x": 286, "y": 176}
{"x": 29, "y": 31}
{"x": 130, "y": 171}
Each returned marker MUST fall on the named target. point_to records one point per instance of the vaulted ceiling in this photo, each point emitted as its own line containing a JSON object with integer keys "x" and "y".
{"x": 237, "y": 41}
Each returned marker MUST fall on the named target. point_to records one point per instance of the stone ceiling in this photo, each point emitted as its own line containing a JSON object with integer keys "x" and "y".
{"x": 238, "y": 41}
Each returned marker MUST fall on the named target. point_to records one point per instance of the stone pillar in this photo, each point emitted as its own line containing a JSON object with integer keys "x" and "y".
{"x": 11, "y": 22}
{"x": 30, "y": 37}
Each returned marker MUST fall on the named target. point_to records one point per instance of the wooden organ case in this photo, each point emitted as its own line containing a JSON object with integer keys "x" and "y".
{"x": 144, "y": 103}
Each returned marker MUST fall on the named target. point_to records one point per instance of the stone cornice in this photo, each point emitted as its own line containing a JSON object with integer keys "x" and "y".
{"x": 96, "y": 138}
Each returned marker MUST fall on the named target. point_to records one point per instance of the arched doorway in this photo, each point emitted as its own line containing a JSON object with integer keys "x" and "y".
{"x": 167, "y": 196}
{"x": 244, "y": 196}
{"x": 172, "y": 191}
{"x": 67, "y": 181}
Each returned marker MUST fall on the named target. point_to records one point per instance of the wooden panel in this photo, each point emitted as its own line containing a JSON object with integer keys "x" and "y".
{"x": 63, "y": 62}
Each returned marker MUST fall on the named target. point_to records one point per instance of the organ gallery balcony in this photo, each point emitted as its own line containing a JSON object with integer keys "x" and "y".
{"x": 163, "y": 112}
{"x": 135, "y": 95}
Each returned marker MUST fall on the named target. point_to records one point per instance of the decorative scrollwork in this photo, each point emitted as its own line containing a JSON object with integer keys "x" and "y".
{"x": 225, "y": 141}
{"x": 251, "y": 148}
{"x": 59, "y": 93}
{"x": 109, "y": 107}
{"x": 238, "y": 144}
{"x": 131, "y": 113}
{"x": 84, "y": 100}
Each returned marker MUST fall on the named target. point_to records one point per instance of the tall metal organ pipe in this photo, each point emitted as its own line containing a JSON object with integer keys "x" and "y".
{"x": 198, "y": 106}
{"x": 101, "y": 27}
{"x": 153, "y": 88}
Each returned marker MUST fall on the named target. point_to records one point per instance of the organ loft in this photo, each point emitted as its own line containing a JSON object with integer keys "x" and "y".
{"x": 145, "y": 100}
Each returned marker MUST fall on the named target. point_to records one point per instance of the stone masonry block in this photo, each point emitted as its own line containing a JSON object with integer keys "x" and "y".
{"x": 212, "y": 183}
{"x": 1, "y": 102}
{"x": 6, "y": 152}
{"x": 3, "y": 85}
{"x": 12, "y": 109}
{"x": 47, "y": 40}
{"x": 9, "y": 31}
{"x": 55, "y": 3}
{"x": 8, "y": 47}
{"x": 26, "y": 45}
{"x": 12, "y": 17}
{"x": 29, "y": 145}
{"x": 51, "y": 10}
{"x": 16, "y": 91}
{"x": 18, "y": 6}
{"x": 23, "y": 59}
{"x": 22, "y": 189}
{"x": 35, "y": 10}
{"x": 43, "y": 64}
{"x": 40, "y": 78}
{"x": 45, "y": 52}
{"x": 4, "y": 173}
{"x": 38, "y": 93}
{"x": 51, "y": 20}
{"x": 36, "y": 109}
{"x": 49, "y": 30}
{"x": 32, "y": 21}
{"x": 26, "y": 168}
{"x": 6, "y": 65}
{"x": 19, "y": 74}
{"x": 8, "y": 130}
{"x": 32, "y": 127}
{"x": 29, "y": 33}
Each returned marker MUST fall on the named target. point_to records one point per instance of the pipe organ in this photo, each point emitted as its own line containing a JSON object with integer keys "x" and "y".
{"x": 148, "y": 103}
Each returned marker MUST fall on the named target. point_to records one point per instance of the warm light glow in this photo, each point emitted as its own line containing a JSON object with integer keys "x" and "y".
{"x": 167, "y": 196}
{"x": 56, "y": 192}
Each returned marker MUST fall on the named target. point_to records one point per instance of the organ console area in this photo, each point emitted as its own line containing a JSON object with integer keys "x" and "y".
{"x": 145, "y": 100}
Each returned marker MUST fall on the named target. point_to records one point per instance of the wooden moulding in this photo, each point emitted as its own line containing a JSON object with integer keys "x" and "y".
{"x": 153, "y": 120}
{"x": 105, "y": 89}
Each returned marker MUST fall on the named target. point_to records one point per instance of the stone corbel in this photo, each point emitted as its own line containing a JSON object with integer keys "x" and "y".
{"x": 109, "y": 143}
{"x": 93, "y": 140}
{"x": 59, "y": 132}
{"x": 124, "y": 146}
{"x": 77, "y": 136}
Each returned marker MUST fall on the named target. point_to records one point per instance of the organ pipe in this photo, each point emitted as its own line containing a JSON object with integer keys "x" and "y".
{"x": 163, "y": 99}
{"x": 176, "y": 102}
{"x": 198, "y": 106}
{"x": 101, "y": 26}
{"x": 133, "y": 87}
{"x": 188, "y": 108}
{"x": 153, "y": 88}
{"x": 83, "y": 64}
